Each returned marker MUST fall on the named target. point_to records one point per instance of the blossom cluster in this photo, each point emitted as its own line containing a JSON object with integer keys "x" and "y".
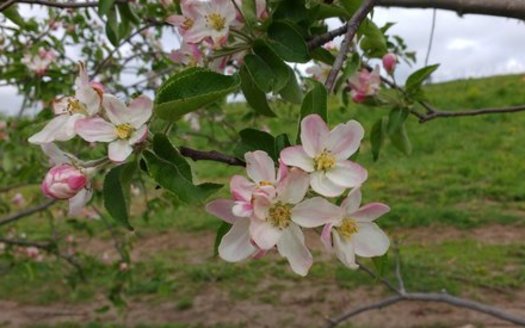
{"x": 273, "y": 207}
{"x": 206, "y": 26}
{"x": 39, "y": 62}
{"x": 94, "y": 116}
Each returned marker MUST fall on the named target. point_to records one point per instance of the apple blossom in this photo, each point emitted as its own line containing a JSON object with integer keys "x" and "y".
{"x": 67, "y": 179}
{"x": 18, "y": 199}
{"x": 353, "y": 230}
{"x": 186, "y": 21}
{"x": 126, "y": 126}
{"x": 214, "y": 21}
{"x": 188, "y": 54}
{"x": 277, "y": 220}
{"x": 324, "y": 154}
{"x": 389, "y": 62}
{"x": 319, "y": 71}
{"x": 39, "y": 62}
{"x": 68, "y": 110}
{"x": 364, "y": 84}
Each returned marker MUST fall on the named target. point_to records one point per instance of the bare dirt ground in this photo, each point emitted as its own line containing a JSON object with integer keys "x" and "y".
{"x": 297, "y": 304}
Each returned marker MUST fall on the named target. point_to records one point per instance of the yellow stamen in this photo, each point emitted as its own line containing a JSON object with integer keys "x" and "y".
{"x": 75, "y": 106}
{"x": 124, "y": 131}
{"x": 347, "y": 228}
{"x": 216, "y": 21}
{"x": 280, "y": 215}
{"x": 324, "y": 161}
{"x": 265, "y": 183}
{"x": 188, "y": 23}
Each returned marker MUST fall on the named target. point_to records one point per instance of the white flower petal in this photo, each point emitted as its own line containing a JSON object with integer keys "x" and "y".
{"x": 119, "y": 150}
{"x": 60, "y": 128}
{"x": 344, "y": 251}
{"x": 314, "y": 132}
{"x": 315, "y": 212}
{"x": 370, "y": 240}
{"x": 324, "y": 186}
{"x": 260, "y": 166}
{"x": 222, "y": 208}
{"x": 347, "y": 174}
{"x": 140, "y": 110}
{"x": 296, "y": 156}
{"x": 236, "y": 245}
{"x": 264, "y": 234}
{"x": 294, "y": 187}
{"x": 116, "y": 110}
{"x": 77, "y": 203}
{"x": 352, "y": 201}
{"x": 95, "y": 129}
{"x": 292, "y": 246}
{"x": 370, "y": 212}
{"x": 345, "y": 139}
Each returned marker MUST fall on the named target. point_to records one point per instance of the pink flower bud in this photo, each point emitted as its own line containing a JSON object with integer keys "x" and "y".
{"x": 32, "y": 252}
{"x": 389, "y": 62}
{"x": 63, "y": 182}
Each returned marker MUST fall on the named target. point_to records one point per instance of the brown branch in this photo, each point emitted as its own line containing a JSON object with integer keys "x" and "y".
{"x": 6, "y": 4}
{"x": 430, "y": 297}
{"x": 434, "y": 113}
{"x": 199, "y": 155}
{"x": 321, "y": 39}
{"x": 351, "y": 30}
{"x": 19, "y": 215}
{"x": 27, "y": 243}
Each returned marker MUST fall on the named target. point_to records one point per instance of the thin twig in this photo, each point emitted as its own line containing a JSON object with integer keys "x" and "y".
{"x": 199, "y": 155}
{"x": 19, "y": 215}
{"x": 64, "y": 5}
{"x": 6, "y": 4}
{"x": 399, "y": 277}
{"x": 351, "y": 30}
{"x": 437, "y": 113}
{"x": 321, "y": 39}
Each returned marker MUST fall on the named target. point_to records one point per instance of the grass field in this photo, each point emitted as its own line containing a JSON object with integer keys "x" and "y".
{"x": 458, "y": 214}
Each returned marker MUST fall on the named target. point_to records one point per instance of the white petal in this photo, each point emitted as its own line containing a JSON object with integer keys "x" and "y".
{"x": 345, "y": 139}
{"x": 315, "y": 212}
{"x": 296, "y": 156}
{"x": 344, "y": 251}
{"x": 264, "y": 234}
{"x": 291, "y": 245}
{"x": 352, "y": 201}
{"x": 241, "y": 188}
{"x": 139, "y": 135}
{"x": 77, "y": 203}
{"x": 314, "y": 132}
{"x": 119, "y": 150}
{"x": 90, "y": 98}
{"x": 260, "y": 166}
{"x": 370, "y": 212}
{"x": 294, "y": 187}
{"x": 370, "y": 240}
{"x": 222, "y": 208}
{"x": 347, "y": 174}
{"x": 324, "y": 186}
{"x": 60, "y": 128}
{"x": 95, "y": 129}
{"x": 140, "y": 110}
{"x": 55, "y": 155}
{"x": 236, "y": 245}
{"x": 116, "y": 110}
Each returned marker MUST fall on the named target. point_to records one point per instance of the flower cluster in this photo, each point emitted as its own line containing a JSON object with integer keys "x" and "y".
{"x": 40, "y": 61}
{"x": 273, "y": 207}
{"x": 206, "y": 26}
{"x": 95, "y": 116}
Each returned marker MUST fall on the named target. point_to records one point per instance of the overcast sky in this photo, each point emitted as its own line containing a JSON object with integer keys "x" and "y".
{"x": 468, "y": 46}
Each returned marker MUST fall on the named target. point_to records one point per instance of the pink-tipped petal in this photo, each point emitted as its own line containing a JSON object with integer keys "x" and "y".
{"x": 236, "y": 245}
{"x": 138, "y": 136}
{"x": 176, "y": 20}
{"x": 222, "y": 208}
{"x": 344, "y": 140}
{"x": 315, "y": 212}
{"x": 119, "y": 150}
{"x": 370, "y": 212}
{"x": 370, "y": 240}
{"x": 241, "y": 188}
{"x": 293, "y": 189}
{"x": 296, "y": 156}
{"x": 60, "y": 128}
{"x": 352, "y": 201}
{"x": 261, "y": 206}
{"x": 282, "y": 171}
{"x": 95, "y": 129}
{"x": 90, "y": 98}
{"x": 344, "y": 250}
{"x": 242, "y": 209}
{"x": 56, "y": 156}
{"x": 140, "y": 110}
{"x": 324, "y": 186}
{"x": 326, "y": 237}
{"x": 292, "y": 246}
{"x": 259, "y": 166}
{"x": 116, "y": 110}
{"x": 263, "y": 234}
{"x": 314, "y": 132}
{"x": 347, "y": 174}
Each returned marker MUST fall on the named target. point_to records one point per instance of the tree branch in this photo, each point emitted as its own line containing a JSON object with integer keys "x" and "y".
{"x": 6, "y": 4}
{"x": 65, "y": 5}
{"x": 199, "y": 155}
{"x": 351, "y": 30}
{"x": 18, "y": 215}
{"x": 321, "y": 39}
{"x": 434, "y": 113}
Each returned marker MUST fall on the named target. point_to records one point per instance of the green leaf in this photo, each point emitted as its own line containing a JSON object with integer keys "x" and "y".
{"x": 377, "y": 136}
{"x": 190, "y": 90}
{"x": 104, "y": 6}
{"x": 221, "y": 231}
{"x": 315, "y": 101}
{"x": 168, "y": 176}
{"x": 165, "y": 150}
{"x": 292, "y": 91}
{"x": 252, "y": 139}
{"x": 324, "y": 11}
{"x": 281, "y": 141}
{"x": 351, "y": 67}
{"x": 260, "y": 72}
{"x": 323, "y": 55}
{"x": 351, "y": 6}
{"x": 14, "y": 16}
{"x": 291, "y": 10}
{"x": 249, "y": 11}
{"x": 374, "y": 41}
{"x": 127, "y": 13}
{"x": 115, "y": 192}
{"x": 287, "y": 42}
{"x": 396, "y": 118}
{"x": 254, "y": 96}
{"x": 112, "y": 28}
{"x": 416, "y": 79}
{"x": 401, "y": 141}
{"x": 280, "y": 70}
